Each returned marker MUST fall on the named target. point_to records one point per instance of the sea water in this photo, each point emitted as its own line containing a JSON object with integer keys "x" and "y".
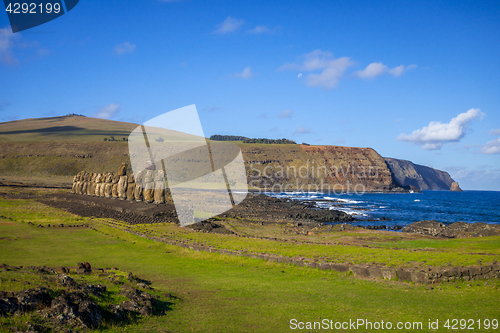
{"x": 405, "y": 208}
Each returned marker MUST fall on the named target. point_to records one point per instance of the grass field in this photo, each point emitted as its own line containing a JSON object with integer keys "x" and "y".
{"x": 219, "y": 293}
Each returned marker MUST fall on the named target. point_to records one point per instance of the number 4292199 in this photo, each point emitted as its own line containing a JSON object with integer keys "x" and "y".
{"x": 454, "y": 324}
{"x": 33, "y": 8}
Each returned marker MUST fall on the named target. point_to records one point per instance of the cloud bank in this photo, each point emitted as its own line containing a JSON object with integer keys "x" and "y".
{"x": 302, "y": 130}
{"x": 433, "y": 136}
{"x": 377, "y": 68}
{"x": 329, "y": 70}
{"x": 262, "y": 29}
{"x": 108, "y": 111}
{"x": 326, "y": 71}
{"x": 229, "y": 25}
{"x": 6, "y": 46}
{"x": 285, "y": 114}
{"x": 124, "y": 48}
{"x": 492, "y": 147}
{"x": 246, "y": 74}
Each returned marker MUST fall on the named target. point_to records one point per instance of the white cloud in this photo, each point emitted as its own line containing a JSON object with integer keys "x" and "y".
{"x": 124, "y": 48}
{"x": 274, "y": 129}
{"x": 302, "y": 130}
{"x": 262, "y": 29}
{"x": 377, "y": 68}
{"x": 495, "y": 131}
{"x": 433, "y": 136}
{"x": 6, "y": 46}
{"x": 108, "y": 111}
{"x": 285, "y": 114}
{"x": 492, "y": 147}
{"x": 246, "y": 74}
{"x": 229, "y": 25}
{"x": 330, "y": 69}
{"x": 484, "y": 177}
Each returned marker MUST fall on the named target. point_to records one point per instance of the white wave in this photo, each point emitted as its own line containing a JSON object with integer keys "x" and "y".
{"x": 416, "y": 200}
{"x": 349, "y": 211}
{"x": 348, "y": 201}
{"x": 342, "y": 200}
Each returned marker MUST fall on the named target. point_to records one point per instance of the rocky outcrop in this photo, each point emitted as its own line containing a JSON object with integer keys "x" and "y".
{"x": 455, "y": 187}
{"x": 453, "y": 230}
{"x": 66, "y": 305}
{"x": 423, "y": 177}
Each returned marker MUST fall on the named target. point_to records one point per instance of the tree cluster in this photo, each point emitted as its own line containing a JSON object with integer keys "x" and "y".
{"x": 218, "y": 137}
{"x": 271, "y": 141}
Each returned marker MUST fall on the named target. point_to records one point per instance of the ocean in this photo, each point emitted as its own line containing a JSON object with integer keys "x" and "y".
{"x": 405, "y": 208}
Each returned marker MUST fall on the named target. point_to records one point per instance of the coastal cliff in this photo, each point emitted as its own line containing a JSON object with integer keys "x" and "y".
{"x": 324, "y": 168}
{"x": 423, "y": 177}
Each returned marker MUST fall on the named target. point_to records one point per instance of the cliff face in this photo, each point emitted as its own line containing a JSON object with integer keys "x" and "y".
{"x": 425, "y": 178}
{"x": 311, "y": 168}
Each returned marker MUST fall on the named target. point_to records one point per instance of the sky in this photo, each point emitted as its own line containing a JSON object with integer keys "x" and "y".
{"x": 415, "y": 80}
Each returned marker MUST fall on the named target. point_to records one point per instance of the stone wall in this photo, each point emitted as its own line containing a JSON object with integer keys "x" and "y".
{"x": 147, "y": 186}
{"x": 429, "y": 275}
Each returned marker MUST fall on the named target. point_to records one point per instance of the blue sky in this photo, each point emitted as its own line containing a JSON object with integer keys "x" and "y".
{"x": 413, "y": 80}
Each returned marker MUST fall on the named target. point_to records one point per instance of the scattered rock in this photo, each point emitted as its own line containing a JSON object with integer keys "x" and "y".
{"x": 453, "y": 230}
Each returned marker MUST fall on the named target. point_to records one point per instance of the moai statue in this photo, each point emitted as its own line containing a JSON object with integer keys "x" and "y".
{"x": 85, "y": 183}
{"x": 148, "y": 184}
{"x": 102, "y": 188}
{"x": 130, "y": 187}
{"x": 91, "y": 188}
{"x": 109, "y": 185}
{"x": 159, "y": 194}
{"x": 122, "y": 183}
{"x": 114, "y": 189}
{"x": 98, "y": 181}
{"x": 89, "y": 184}
{"x": 138, "y": 186}
{"x": 93, "y": 185}
{"x": 79, "y": 186}
{"x": 75, "y": 181}
{"x": 122, "y": 171}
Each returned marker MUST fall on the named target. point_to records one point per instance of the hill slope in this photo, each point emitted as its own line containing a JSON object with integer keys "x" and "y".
{"x": 48, "y": 150}
{"x": 423, "y": 177}
{"x": 63, "y": 129}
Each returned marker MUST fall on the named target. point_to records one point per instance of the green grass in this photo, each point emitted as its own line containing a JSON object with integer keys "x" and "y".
{"x": 387, "y": 253}
{"x": 220, "y": 293}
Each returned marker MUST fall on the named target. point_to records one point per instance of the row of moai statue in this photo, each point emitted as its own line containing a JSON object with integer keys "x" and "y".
{"x": 148, "y": 186}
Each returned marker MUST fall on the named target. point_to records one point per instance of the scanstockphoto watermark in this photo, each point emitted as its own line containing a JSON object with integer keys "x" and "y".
{"x": 364, "y": 324}
{"x": 349, "y": 178}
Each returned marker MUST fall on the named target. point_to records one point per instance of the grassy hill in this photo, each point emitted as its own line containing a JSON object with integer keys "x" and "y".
{"x": 52, "y": 150}
{"x": 63, "y": 129}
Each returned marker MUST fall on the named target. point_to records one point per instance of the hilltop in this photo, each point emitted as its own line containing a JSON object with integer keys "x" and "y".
{"x": 71, "y": 128}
